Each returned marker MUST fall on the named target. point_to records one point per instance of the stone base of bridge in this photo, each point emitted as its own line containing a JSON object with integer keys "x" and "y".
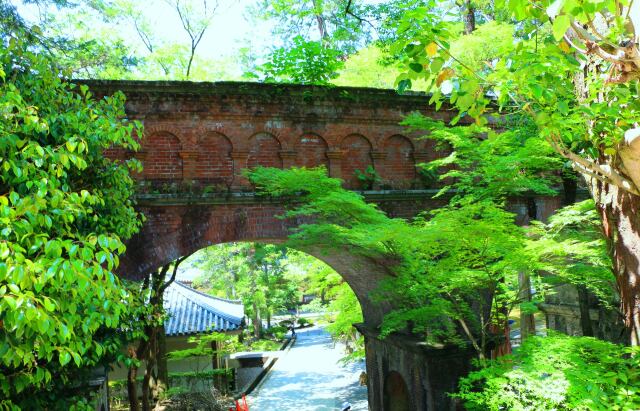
{"x": 404, "y": 374}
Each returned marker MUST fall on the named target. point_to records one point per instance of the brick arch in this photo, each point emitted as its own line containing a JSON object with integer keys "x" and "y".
{"x": 311, "y": 151}
{"x": 400, "y": 167}
{"x": 264, "y": 150}
{"x": 175, "y": 231}
{"x": 162, "y": 156}
{"x": 214, "y": 164}
{"x": 396, "y": 393}
{"x": 356, "y": 155}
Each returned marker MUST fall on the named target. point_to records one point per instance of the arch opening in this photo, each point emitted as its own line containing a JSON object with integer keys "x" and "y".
{"x": 396, "y": 394}
{"x": 285, "y": 292}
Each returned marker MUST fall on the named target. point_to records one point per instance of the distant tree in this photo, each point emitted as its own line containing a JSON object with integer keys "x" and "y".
{"x": 70, "y": 34}
{"x": 256, "y": 273}
{"x": 175, "y": 60}
{"x": 304, "y": 62}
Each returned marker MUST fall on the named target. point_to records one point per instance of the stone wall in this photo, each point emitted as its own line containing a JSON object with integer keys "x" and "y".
{"x": 404, "y": 374}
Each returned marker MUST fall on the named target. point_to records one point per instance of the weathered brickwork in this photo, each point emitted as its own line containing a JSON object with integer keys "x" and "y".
{"x": 311, "y": 151}
{"x": 204, "y": 134}
{"x": 214, "y": 164}
{"x": 399, "y": 170}
{"x": 162, "y": 157}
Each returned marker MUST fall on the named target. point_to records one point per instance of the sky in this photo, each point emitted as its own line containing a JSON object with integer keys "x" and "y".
{"x": 231, "y": 29}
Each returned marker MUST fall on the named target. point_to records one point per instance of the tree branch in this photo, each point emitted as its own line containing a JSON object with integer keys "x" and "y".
{"x": 603, "y": 173}
{"x": 173, "y": 275}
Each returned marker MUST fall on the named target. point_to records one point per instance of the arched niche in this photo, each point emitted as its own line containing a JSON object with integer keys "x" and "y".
{"x": 356, "y": 155}
{"x": 399, "y": 166}
{"x": 264, "y": 150}
{"x": 311, "y": 151}
{"x": 396, "y": 394}
{"x": 214, "y": 164}
{"x": 162, "y": 160}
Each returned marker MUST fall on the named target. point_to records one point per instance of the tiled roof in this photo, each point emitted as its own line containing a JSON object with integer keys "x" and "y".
{"x": 193, "y": 312}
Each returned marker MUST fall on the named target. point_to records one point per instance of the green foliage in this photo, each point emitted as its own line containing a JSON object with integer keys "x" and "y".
{"x": 349, "y": 312}
{"x": 265, "y": 345}
{"x": 366, "y": 69}
{"x": 368, "y": 178}
{"x": 64, "y": 210}
{"x": 573, "y": 250}
{"x": 485, "y": 165}
{"x": 305, "y": 62}
{"x": 227, "y": 344}
{"x": 303, "y": 322}
{"x": 440, "y": 265}
{"x": 581, "y": 114}
{"x": 315, "y": 306}
{"x": 557, "y": 373}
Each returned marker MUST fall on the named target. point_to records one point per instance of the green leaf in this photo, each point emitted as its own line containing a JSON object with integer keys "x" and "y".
{"x": 64, "y": 358}
{"x": 560, "y": 26}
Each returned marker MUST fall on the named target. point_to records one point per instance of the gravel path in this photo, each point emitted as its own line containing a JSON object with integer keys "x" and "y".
{"x": 310, "y": 378}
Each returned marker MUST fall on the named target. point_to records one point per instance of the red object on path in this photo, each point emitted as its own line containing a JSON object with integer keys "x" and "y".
{"x": 243, "y": 406}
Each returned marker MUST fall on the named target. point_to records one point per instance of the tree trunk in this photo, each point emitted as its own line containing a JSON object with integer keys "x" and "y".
{"x": 468, "y": 16}
{"x": 257, "y": 322}
{"x": 621, "y": 226}
{"x": 148, "y": 381}
{"x": 215, "y": 364}
{"x": 527, "y": 321}
{"x": 163, "y": 370}
{"x": 132, "y": 389}
{"x": 585, "y": 318}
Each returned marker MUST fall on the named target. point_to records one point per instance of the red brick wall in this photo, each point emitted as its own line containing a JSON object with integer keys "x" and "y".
{"x": 311, "y": 151}
{"x": 356, "y": 155}
{"x": 162, "y": 157}
{"x": 264, "y": 150}
{"x": 213, "y": 159}
{"x": 400, "y": 169}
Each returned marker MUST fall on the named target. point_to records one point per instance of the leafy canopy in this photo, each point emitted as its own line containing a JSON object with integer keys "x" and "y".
{"x": 64, "y": 211}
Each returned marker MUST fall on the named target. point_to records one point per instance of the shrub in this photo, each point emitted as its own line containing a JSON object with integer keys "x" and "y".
{"x": 303, "y": 322}
{"x": 557, "y": 373}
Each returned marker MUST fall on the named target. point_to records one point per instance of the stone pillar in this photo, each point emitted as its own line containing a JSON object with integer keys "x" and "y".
{"x": 335, "y": 168}
{"x": 378, "y": 165}
{"x": 239, "y": 163}
{"x": 288, "y": 158}
{"x": 189, "y": 158}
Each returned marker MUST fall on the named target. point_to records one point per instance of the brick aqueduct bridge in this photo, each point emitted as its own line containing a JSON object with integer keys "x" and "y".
{"x": 200, "y": 136}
